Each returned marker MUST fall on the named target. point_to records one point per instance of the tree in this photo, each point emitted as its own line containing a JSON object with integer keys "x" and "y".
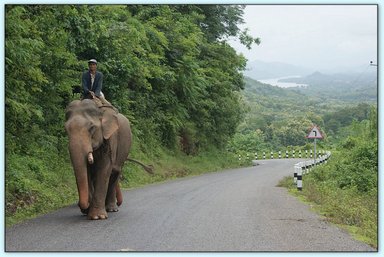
{"x": 24, "y": 78}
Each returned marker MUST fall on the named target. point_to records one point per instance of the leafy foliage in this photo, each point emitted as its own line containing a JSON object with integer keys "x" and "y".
{"x": 278, "y": 118}
{"x": 347, "y": 187}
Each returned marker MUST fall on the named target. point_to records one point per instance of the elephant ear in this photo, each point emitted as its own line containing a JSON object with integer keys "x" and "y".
{"x": 109, "y": 124}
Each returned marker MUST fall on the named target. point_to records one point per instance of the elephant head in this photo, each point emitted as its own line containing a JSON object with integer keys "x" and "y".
{"x": 87, "y": 128}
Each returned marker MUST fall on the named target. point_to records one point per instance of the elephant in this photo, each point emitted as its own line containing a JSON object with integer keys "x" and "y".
{"x": 99, "y": 144}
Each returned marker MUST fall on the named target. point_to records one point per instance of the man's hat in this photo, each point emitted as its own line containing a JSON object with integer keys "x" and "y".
{"x": 92, "y": 61}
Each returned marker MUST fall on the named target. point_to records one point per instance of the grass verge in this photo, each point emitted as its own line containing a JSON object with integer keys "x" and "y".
{"x": 347, "y": 208}
{"x": 36, "y": 186}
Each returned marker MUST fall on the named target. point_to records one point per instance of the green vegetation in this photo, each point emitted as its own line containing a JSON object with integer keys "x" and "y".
{"x": 168, "y": 68}
{"x": 345, "y": 190}
{"x": 278, "y": 119}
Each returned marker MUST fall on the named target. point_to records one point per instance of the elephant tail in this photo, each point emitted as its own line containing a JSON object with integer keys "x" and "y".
{"x": 148, "y": 168}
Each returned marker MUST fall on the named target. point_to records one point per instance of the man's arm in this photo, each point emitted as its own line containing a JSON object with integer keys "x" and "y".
{"x": 84, "y": 83}
{"x": 99, "y": 85}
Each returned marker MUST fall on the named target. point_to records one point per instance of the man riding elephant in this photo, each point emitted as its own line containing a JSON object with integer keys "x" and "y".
{"x": 92, "y": 83}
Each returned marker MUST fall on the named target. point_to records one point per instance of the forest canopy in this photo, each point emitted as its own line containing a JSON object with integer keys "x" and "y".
{"x": 168, "y": 68}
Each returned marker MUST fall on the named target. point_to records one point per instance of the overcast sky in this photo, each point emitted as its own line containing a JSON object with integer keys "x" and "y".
{"x": 313, "y": 36}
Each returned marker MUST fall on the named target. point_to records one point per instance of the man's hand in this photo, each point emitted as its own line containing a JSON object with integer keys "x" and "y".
{"x": 92, "y": 94}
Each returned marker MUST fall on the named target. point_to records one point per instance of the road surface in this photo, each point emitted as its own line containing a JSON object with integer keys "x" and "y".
{"x": 232, "y": 210}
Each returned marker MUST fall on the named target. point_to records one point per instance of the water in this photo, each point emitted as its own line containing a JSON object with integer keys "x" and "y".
{"x": 275, "y": 82}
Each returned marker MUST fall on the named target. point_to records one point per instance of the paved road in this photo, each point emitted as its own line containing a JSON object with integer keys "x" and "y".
{"x": 233, "y": 210}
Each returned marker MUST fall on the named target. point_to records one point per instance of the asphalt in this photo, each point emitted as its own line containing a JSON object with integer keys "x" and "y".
{"x": 231, "y": 210}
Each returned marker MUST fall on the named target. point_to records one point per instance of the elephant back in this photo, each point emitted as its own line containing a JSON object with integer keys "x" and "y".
{"x": 103, "y": 104}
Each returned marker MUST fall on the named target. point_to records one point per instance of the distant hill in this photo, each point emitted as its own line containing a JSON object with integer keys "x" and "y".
{"x": 350, "y": 86}
{"x": 269, "y": 70}
{"x": 351, "y": 80}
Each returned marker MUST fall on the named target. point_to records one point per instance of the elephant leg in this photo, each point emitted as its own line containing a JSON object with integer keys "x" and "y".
{"x": 119, "y": 195}
{"x": 110, "y": 201}
{"x": 91, "y": 189}
{"x": 97, "y": 208}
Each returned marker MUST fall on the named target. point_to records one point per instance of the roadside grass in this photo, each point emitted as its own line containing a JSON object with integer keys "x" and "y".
{"x": 168, "y": 166}
{"x": 35, "y": 186}
{"x": 347, "y": 208}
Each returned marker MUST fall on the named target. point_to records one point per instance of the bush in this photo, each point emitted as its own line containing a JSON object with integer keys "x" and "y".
{"x": 36, "y": 185}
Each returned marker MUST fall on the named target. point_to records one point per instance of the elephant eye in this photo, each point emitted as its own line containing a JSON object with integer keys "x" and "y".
{"x": 92, "y": 129}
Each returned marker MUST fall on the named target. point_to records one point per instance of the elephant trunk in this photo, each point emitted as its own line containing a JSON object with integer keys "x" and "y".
{"x": 79, "y": 161}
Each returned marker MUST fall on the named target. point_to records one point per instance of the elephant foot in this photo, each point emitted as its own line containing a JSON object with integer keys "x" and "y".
{"x": 112, "y": 208}
{"x": 97, "y": 214}
{"x": 84, "y": 211}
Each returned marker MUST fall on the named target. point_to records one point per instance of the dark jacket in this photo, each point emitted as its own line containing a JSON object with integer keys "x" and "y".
{"x": 86, "y": 83}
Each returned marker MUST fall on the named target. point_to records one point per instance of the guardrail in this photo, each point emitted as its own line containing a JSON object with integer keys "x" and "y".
{"x": 304, "y": 167}
{"x": 286, "y": 154}
{"x": 278, "y": 154}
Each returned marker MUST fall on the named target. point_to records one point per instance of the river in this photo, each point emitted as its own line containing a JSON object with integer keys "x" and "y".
{"x": 277, "y": 83}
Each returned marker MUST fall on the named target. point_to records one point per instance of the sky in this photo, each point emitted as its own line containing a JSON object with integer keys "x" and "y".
{"x": 318, "y": 37}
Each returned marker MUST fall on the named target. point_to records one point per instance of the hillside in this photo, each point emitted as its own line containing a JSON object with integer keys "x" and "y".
{"x": 268, "y": 70}
{"x": 277, "y": 118}
{"x": 350, "y": 87}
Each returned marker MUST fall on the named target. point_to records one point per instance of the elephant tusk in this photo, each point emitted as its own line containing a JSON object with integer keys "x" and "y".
{"x": 90, "y": 158}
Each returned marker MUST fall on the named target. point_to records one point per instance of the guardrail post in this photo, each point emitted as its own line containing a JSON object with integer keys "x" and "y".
{"x": 305, "y": 167}
{"x": 299, "y": 153}
{"x": 299, "y": 179}
{"x": 255, "y": 156}
{"x": 264, "y": 155}
{"x": 271, "y": 154}
{"x": 293, "y": 153}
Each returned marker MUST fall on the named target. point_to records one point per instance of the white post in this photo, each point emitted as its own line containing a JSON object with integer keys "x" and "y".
{"x": 315, "y": 151}
{"x": 299, "y": 179}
